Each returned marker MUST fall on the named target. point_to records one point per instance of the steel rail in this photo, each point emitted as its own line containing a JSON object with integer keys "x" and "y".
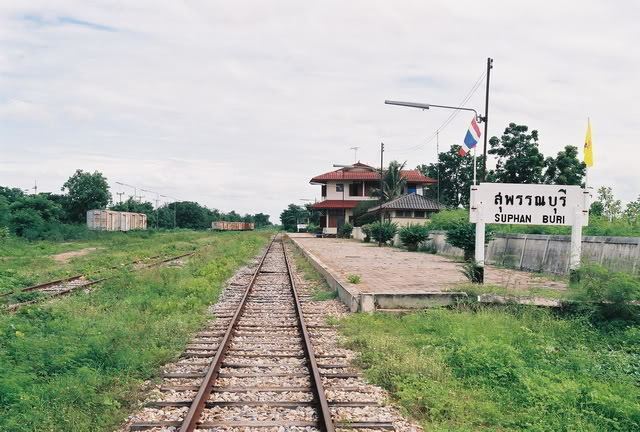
{"x": 325, "y": 413}
{"x": 15, "y": 306}
{"x": 190, "y": 421}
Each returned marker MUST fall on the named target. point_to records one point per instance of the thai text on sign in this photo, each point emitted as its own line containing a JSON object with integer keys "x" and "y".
{"x": 530, "y": 204}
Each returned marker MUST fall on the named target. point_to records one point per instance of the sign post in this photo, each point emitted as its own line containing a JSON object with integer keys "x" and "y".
{"x": 529, "y": 204}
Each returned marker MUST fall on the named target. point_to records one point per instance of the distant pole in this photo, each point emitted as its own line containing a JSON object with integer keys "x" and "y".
{"x": 355, "y": 156}
{"x": 381, "y": 187}
{"x": 120, "y": 196}
{"x": 438, "y": 162}
{"x": 486, "y": 119}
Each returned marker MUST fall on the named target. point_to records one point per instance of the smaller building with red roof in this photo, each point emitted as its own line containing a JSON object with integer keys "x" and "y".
{"x": 344, "y": 188}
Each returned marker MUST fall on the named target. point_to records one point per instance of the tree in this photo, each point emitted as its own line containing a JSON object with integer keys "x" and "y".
{"x": 456, "y": 177}
{"x": 191, "y": 215}
{"x": 132, "y": 205}
{"x": 291, "y": 215}
{"x": 361, "y": 214}
{"x": 632, "y": 212}
{"x": 392, "y": 182}
{"x": 519, "y": 159}
{"x": 611, "y": 207}
{"x": 26, "y": 222}
{"x": 86, "y": 191}
{"x": 261, "y": 220}
{"x": 4, "y": 211}
{"x": 47, "y": 210}
{"x": 566, "y": 168}
{"x": 11, "y": 194}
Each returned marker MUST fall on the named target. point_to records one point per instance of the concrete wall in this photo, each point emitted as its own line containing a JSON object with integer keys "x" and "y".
{"x": 550, "y": 253}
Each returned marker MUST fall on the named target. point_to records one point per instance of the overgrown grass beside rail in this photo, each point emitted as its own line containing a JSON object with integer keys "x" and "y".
{"x": 78, "y": 363}
{"x": 24, "y": 263}
{"x": 503, "y": 368}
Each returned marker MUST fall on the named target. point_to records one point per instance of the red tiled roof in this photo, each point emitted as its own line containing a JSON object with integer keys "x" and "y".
{"x": 336, "y": 204}
{"x": 413, "y": 176}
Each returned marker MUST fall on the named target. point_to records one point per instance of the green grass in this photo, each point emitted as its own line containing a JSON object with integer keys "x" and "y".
{"x": 503, "y": 368}
{"x": 78, "y": 363}
{"x": 24, "y": 263}
{"x": 321, "y": 290}
{"x": 474, "y": 290}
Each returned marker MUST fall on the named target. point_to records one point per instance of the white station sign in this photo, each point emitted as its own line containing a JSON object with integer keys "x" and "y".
{"x": 530, "y": 204}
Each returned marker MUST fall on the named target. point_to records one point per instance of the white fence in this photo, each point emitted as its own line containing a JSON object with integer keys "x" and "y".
{"x": 550, "y": 253}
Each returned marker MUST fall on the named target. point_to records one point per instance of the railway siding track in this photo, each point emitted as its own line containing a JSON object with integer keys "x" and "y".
{"x": 60, "y": 287}
{"x": 265, "y": 363}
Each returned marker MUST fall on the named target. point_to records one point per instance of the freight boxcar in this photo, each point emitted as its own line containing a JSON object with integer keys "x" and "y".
{"x": 232, "y": 226}
{"x": 109, "y": 220}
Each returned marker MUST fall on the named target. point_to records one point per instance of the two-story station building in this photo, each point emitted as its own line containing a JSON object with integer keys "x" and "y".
{"x": 344, "y": 188}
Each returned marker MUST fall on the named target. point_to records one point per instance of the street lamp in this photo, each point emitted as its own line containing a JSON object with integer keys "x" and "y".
{"x": 423, "y": 106}
{"x": 478, "y": 118}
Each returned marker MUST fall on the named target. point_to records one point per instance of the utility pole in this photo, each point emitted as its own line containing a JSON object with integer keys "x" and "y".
{"x": 157, "y": 201}
{"x": 486, "y": 120}
{"x": 381, "y": 189}
{"x": 120, "y": 196}
{"x": 35, "y": 187}
{"x": 438, "y": 162}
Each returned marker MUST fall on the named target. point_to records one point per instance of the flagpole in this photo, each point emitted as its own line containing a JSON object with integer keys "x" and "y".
{"x": 475, "y": 181}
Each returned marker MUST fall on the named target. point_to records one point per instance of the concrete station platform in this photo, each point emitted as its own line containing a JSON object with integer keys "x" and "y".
{"x": 395, "y": 279}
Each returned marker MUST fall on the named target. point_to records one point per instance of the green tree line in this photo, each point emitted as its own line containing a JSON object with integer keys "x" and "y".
{"x": 63, "y": 216}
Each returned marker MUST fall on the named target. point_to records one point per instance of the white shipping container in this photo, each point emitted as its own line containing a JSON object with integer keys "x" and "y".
{"x": 109, "y": 220}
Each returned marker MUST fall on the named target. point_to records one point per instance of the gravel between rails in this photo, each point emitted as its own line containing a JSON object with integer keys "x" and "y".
{"x": 266, "y": 365}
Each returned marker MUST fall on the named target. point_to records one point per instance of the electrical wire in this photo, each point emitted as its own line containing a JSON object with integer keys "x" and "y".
{"x": 448, "y": 120}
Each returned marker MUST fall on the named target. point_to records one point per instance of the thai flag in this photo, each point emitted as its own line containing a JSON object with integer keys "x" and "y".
{"x": 471, "y": 138}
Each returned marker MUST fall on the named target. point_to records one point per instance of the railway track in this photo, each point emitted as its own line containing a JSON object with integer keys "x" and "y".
{"x": 263, "y": 364}
{"x": 60, "y": 287}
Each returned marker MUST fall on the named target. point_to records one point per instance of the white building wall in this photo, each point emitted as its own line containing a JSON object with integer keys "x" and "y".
{"x": 332, "y": 194}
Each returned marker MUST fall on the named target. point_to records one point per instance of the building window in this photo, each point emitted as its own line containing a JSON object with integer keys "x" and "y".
{"x": 411, "y": 188}
{"x": 339, "y": 187}
{"x": 324, "y": 190}
{"x": 403, "y": 213}
{"x": 419, "y": 214}
{"x": 355, "y": 189}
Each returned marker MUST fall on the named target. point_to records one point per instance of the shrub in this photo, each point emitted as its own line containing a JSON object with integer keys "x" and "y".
{"x": 606, "y": 293}
{"x": 345, "y": 230}
{"x": 26, "y": 223}
{"x": 366, "y": 230}
{"x": 460, "y": 232}
{"x": 383, "y": 231}
{"x": 448, "y": 219}
{"x": 413, "y": 234}
{"x": 313, "y": 228}
{"x": 353, "y": 278}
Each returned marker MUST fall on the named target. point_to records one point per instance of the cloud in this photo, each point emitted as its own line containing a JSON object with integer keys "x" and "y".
{"x": 239, "y": 104}
{"x": 41, "y": 21}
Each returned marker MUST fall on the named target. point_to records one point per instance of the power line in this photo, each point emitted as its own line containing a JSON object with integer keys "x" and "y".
{"x": 449, "y": 119}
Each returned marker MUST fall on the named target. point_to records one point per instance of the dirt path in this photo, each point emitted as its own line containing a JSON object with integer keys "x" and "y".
{"x": 64, "y": 257}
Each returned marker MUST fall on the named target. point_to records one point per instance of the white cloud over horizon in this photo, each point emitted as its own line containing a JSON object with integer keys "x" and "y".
{"x": 238, "y": 104}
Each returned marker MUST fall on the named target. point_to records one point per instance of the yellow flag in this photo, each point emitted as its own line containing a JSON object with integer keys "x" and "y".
{"x": 588, "y": 147}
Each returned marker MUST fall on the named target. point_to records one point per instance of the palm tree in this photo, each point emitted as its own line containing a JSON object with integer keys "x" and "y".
{"x": 392, "y": 182}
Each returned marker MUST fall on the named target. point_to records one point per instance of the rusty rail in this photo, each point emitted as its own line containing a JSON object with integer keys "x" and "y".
{"x": 324, "y": 414}
{"x": 190, "y": 420}
{"x": 15, "y": 306}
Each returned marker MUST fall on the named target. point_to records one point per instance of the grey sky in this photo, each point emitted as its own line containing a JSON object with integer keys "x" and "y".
{"x": 237, "y": 104}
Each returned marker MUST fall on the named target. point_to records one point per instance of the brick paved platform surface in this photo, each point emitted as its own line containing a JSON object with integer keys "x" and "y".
{"x": 391, "y": 270}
